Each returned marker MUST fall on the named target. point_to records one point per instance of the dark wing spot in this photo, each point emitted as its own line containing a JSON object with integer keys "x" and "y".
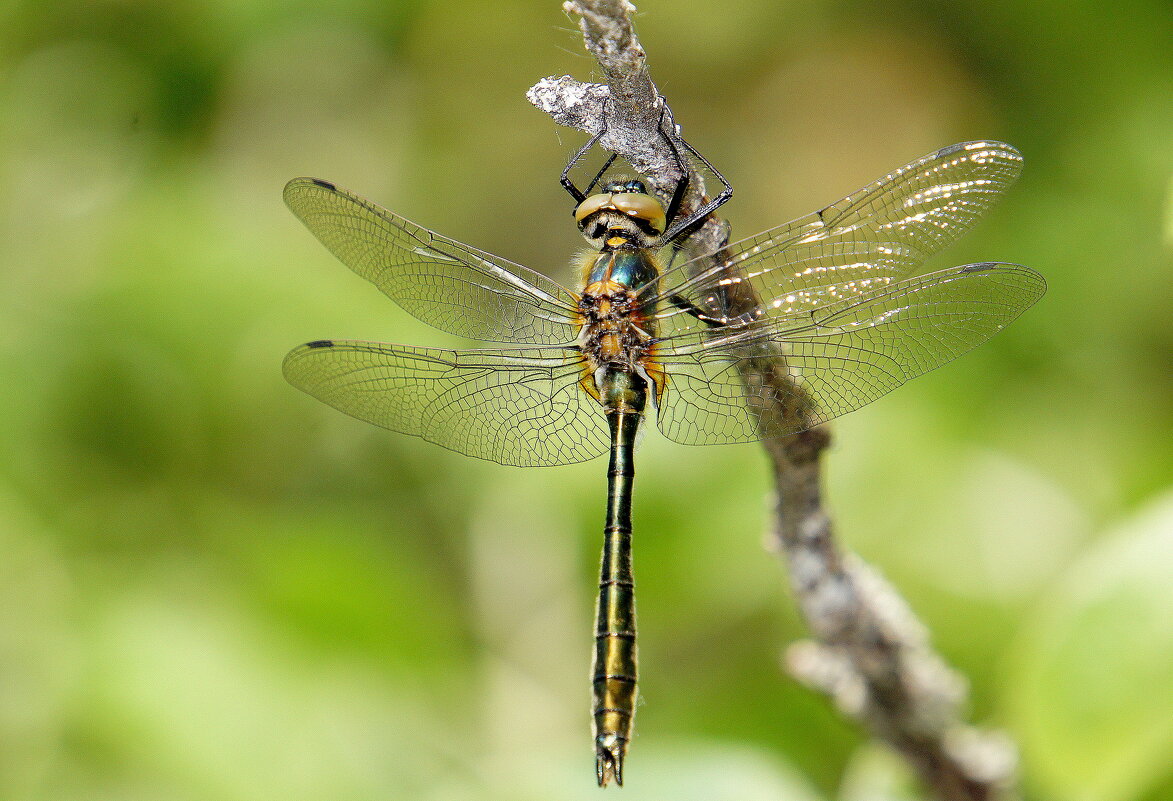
{"x": 320, "y": 343}
{"x": 981, "y": 267}
{"x": 949, "y": 151}
{"x": 325, "y": 184}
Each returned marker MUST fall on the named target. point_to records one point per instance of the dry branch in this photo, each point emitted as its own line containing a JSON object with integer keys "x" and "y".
{"x": 869, "y": 653}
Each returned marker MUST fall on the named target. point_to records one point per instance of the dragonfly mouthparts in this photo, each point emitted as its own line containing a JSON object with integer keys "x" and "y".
{"x": 609, "y": 763}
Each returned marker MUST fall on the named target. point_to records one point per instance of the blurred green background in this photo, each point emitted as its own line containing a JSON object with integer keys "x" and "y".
{"x": 213, "y": 587}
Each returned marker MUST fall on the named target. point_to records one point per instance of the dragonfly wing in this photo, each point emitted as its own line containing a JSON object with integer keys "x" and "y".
{"x": 518, "y": 407}
{"x": 875, "y": 236}
{"x": 445, "y": 283}
{"x": 835, "y": 358}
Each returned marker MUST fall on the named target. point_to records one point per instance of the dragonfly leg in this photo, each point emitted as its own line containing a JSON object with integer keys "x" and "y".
{"x": 688, "y": 306}
{"x": 680, "y": 230}
{"x": 567, "y": 184}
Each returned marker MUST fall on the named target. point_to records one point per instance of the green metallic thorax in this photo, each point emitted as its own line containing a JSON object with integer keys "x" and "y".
{"x": 631, "y": 268}
{"x": 617, "y": 333}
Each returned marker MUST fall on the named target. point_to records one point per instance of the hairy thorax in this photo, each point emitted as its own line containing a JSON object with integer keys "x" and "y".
{"x": 616, "y": 336}
{"x": 614, "y": 331}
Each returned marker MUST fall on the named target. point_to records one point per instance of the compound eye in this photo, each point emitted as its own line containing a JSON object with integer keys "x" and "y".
{"x": 641, "y": 207}
{"x": 590, "y": 206}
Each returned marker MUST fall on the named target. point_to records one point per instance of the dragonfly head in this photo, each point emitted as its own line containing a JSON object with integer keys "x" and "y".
{"x": 623, "y": 216}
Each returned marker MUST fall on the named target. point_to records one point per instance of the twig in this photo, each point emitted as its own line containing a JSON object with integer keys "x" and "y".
{"x": 627, "y": 109}
{"x": 870, "y": 654}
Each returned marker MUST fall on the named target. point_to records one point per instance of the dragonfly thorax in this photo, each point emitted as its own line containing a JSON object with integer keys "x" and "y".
{"x": 617, "y": 331}
{"x": 614, "y": 331}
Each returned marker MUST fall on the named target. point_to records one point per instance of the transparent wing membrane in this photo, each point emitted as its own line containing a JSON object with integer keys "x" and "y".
{"x": 880, "y": 233}
{"x": 794, "y": 326}
{"x": 445, "y": 283}
{"x": 518, "y": 407}
{"x": 817, "y": 273}
{"x": 834, "y": 358}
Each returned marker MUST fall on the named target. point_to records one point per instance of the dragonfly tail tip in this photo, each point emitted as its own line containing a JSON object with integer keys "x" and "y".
{"x": 609, "y": 765}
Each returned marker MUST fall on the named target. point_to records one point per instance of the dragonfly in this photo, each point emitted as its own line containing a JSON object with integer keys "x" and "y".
{"x": 839, "y": 312}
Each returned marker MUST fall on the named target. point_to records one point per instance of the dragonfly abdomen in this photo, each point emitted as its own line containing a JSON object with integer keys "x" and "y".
{"x": 616, "y": 343}
{"x": 615, "y": 668}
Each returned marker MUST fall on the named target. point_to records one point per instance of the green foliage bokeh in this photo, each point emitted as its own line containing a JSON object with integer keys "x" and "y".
{"x": 212, "y": 587}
